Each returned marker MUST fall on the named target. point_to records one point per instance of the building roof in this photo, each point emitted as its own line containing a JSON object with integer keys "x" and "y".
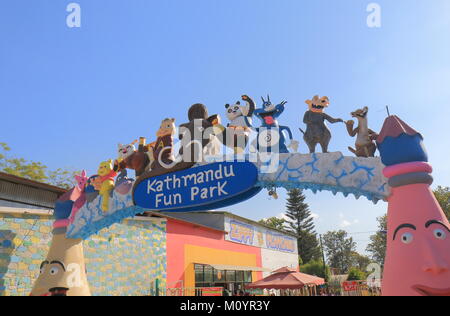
{"x": 197, "y": 217}
{"x": 31, "y": 183}
{"x": 183, "y": 220}
{"x": 23, "y": 191}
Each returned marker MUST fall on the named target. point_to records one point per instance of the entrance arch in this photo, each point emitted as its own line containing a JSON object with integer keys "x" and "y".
{"x": 418, "y": 260}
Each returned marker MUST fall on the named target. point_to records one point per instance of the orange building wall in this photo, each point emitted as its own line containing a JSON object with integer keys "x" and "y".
{"x": 188, "y": 244}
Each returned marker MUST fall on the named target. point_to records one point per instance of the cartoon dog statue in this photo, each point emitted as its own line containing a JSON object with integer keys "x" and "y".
{"x": 239, "y": 129}
{"x": 316, "y": 130}
{"x": 106, "y": 175}
{"x": 365, "y": 145}
{"x": 271, "y": 134}
{"x": 161, "y": 152}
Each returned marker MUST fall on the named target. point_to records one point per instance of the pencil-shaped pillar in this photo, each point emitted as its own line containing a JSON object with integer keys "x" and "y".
{"x": 63, "y": 272}
{"x": 418, "y": 245}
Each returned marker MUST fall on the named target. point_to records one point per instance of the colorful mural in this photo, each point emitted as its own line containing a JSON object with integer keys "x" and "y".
{"x": 116, "y": 263}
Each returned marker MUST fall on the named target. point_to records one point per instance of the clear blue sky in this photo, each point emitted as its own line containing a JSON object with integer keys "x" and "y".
{"x": 68, "y": 96}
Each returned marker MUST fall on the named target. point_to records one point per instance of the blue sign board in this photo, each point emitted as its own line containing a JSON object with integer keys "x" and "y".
{"x": 200, "y": 188}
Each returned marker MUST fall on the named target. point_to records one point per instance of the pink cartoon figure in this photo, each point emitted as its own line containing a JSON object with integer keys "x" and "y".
{"x": 418, "y": 246}
{"x": 81, "y": 181}
{"x": 81, "y": 199}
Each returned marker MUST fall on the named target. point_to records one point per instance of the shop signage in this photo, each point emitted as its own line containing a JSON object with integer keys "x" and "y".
{"x": 200, "y": 188}
{"x": 277, "y": 241}
{"x": 350, "y": 286}
{"x": 257, "y": 236}
{"x": 212, "y": 291}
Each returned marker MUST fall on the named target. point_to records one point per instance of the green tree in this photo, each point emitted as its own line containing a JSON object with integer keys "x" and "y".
{"x": 356, "y": 274}
{"x": 274, "y": 222}
{"x": 442, "y": 194}
{"x": 316, "y": 267}
{"x": 378, "y": 242}
{"x": 301, "y": 224}
{"x": 339, "y": 249}
{"x": 33, "y": 170}
{"x": 361, "y": 262}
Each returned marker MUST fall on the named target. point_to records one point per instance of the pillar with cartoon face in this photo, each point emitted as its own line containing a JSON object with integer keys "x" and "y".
{"x": 63, "y": 272}
{"x": 418, "y": 246}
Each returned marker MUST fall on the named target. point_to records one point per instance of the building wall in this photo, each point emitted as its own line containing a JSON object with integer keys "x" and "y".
{"x": 24, "y": 242}
{"x": 274, "y": 260}
{"x": 188, "y": 244}
{"x": 127, "y": 258}
{"x": 133, "y": 252}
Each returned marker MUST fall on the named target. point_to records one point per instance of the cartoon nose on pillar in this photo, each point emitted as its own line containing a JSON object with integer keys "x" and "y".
{"x": 435, "y": 263}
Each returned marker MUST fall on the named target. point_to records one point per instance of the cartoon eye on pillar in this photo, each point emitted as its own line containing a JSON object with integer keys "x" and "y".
{"x": 440, "y": 234}
{"x": 54, "y": 271}
{"x": 407, "y": 238}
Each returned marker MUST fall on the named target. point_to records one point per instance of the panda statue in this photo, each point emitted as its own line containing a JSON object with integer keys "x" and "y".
{"x": 240, "y": 126}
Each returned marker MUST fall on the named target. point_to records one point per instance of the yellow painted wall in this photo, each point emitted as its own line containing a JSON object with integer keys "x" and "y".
{"x": 202, "y": 255}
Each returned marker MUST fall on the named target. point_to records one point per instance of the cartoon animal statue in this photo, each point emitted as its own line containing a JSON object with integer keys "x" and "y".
{"x": 316, "y": 130}
{"x": 93, "y": 186}
{"x": 365, "y": 145}
{"x": 126, "y": 151}
{"x": 129, "y": 158}
{"x": 198, "y": 133}
{"x": 106, "y": 174}
{"x": 123, "y": 184}
{"x": 240, "y": 126}
{"x": 271, "y": 136}
{"x": 82, "y": 181}
{"x": 161, "y": 152}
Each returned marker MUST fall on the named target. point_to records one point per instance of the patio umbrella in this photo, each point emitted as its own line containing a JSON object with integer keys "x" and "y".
{"x": 286, "y": 278}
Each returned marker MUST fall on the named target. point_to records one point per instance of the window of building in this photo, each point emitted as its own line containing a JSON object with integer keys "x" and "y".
{"x": 199, "y": 275}
{"x": 230, "y": 280}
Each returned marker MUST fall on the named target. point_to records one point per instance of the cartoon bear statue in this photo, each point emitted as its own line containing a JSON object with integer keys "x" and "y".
{"x": 106, "y": 174}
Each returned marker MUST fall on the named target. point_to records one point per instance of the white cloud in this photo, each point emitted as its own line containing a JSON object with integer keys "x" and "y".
{"x": 283, "y": 216}
{"x": 346, "y": 223}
